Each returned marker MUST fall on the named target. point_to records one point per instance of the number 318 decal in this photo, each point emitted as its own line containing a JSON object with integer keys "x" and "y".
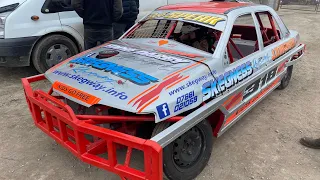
{"x": 255, "y": 86}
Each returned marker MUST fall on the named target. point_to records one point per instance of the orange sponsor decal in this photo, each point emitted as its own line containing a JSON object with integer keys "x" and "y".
{"x": 142, "y": 93}
{"x": 251, "y": 102}
{"x": 163, "y": 42}
{"x": 177, "y": 82}
{"x": 148, "y": 103}
{"x": 280, "y": 50}
{"x": 75, "y": 93}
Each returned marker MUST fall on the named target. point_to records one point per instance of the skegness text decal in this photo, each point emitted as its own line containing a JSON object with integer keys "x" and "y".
{"x": 129, "y": 74}
{"x": 227, "y": 80}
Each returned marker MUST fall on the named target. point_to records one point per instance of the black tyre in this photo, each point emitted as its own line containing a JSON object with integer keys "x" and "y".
{"x": 51, "y": 50}
{"x": 187, "y": 156}
{"x": 286, "y": 79}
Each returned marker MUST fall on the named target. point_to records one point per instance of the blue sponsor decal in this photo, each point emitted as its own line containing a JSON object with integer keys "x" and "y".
{"x": 89, "y": 73}
{"x": 257, "y": 63}
{"x": 185, "y": 101}
{"x": 192, "y": 83}
{"x": 225, "y": 81}
{"x": 90, "y": 54}
{"x": 163, "y": 110}
{"x": 132, "y": 75}
{"x": 95, "y": 85}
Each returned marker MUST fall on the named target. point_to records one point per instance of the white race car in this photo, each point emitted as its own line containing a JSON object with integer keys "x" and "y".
{"x": 180, "y": 77}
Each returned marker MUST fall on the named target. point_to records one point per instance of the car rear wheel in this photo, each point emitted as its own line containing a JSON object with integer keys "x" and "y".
{"x": 187, "y": 156}
{"x": 286, "y": 79}
{"x": 52, "y": 50}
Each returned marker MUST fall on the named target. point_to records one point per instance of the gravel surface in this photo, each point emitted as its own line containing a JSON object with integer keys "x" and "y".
{"x": 263, "y": 145}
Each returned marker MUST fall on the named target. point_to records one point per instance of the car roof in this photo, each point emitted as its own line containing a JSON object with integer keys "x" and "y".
{"x": 207, "y": 7}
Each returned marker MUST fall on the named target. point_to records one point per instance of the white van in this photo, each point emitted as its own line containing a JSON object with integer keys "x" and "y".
{"x": 45, "y": 32}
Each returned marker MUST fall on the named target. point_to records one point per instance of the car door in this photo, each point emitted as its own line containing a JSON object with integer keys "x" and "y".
{"x": 243, "y": 47}
{"x": 272, "y": 39}
{"x": 255, "y": 54}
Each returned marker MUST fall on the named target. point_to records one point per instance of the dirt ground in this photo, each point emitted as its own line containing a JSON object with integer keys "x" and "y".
{"x": 263, "y": 145}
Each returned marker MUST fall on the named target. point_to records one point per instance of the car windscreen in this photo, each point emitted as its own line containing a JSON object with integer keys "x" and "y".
{"x": 202, "y": 33}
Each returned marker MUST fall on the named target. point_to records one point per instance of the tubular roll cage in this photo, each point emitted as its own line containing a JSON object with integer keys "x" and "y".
{"x": 59, "y": 121}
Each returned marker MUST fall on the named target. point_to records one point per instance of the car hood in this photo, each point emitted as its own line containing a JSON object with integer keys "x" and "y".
{"x": 9, "y": 2}
{"x": 137, "y": 77}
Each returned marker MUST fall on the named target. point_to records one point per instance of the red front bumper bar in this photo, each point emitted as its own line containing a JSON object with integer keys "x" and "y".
{"x": 58, "y": 120}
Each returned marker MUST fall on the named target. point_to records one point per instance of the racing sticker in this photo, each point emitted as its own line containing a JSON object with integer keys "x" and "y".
{"x": 162, "y": 57}
{"x": 155, "y": 91}
{"x": 259, "y": 62}
{"x": 283, "y": 48}
{"x": 188, "y": 16}
{"x": 185, "y": 101}
{"x": 191, "y": 83}
{"x": 252, "y": 88}
{"x": 217, "y": 86}
{"x": 163, "y": 110}
{"x": 144, "y": 99}
{"x": 251, "y": 102}
{"x": 94, "y": 85}
{"x": 75, "y": 93}
{"x": 163, "y": 42}
{"x": 132, "y": 75}
{"x": 87, "y": 71}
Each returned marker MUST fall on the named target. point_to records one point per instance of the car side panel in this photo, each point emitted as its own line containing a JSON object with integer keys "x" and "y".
{"x": 269, "y": 72}
{"x": 269, "y": 67}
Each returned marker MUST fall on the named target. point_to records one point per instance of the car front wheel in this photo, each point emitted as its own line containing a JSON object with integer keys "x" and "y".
{"x": 187, "y": 156}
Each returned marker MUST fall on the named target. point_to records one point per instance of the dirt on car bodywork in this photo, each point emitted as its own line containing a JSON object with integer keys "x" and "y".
{"x": 133, "y": 66}
{"x": 263, "y": 145}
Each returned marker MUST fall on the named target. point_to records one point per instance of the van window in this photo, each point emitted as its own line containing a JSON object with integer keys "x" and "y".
{"x": 54, "y": 6}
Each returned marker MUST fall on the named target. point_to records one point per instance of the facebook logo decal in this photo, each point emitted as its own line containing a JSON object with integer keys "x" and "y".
{"x": 163, "y": 110}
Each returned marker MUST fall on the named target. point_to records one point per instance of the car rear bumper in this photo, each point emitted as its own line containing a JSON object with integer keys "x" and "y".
{"x": 58, "y": 121}
{"x": 298, "y": 56}
{"x": 16, "y": 52}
